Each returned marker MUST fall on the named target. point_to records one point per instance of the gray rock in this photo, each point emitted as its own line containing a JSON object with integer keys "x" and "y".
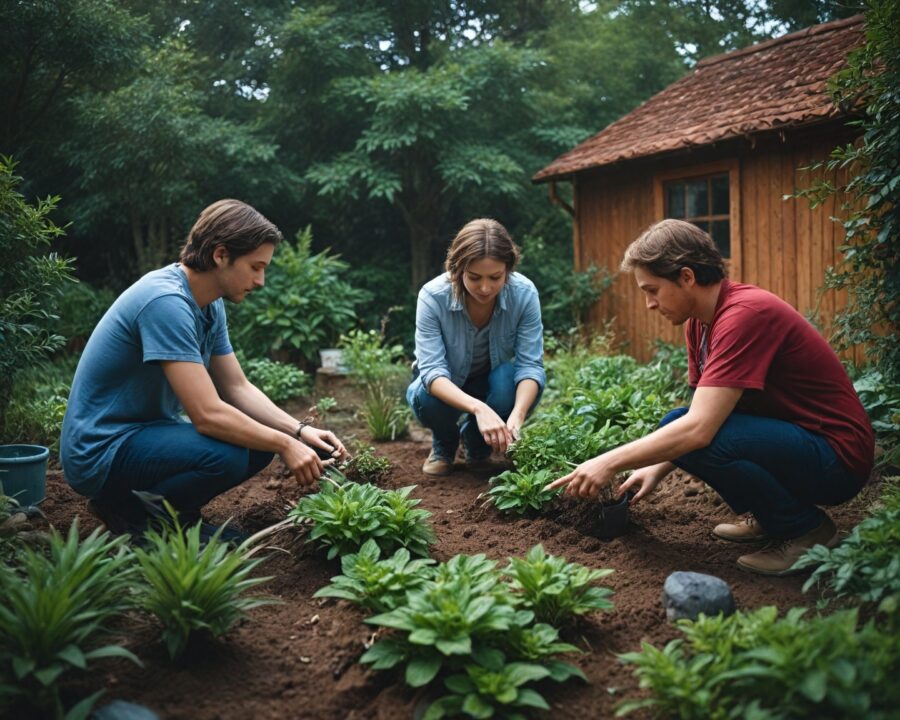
{"x": 687, "y": 594}
{"x": 122, "y": 710}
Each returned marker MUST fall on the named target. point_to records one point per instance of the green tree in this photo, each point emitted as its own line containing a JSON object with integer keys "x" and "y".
{"x": 31, "y": 279}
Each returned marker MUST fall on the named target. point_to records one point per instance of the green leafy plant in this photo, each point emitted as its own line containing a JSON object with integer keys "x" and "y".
{"x": 557, "y": 591}
{"x": 366, "y": 466}
{"x": 55, "y": 612}
{"x": 193, "y": 587}
{"x": 305, "y": 304}
{"x": 540, "y": 643}
{"x": 324, "y": 406}
{"x": 346, "y": 515}
{"x": 757, "y": 665}
{"x": 443, "y": 624}
{"x": 279, "y": 381}
{"x": 866, "y": 565}
{"x": 369, "y": 360}
{"x": 493, "y": 688}
{"x": 31, "y": 280}
{"x": 519, "y": 492}
{"x": 881, "y": 400}
{"x": 374, "y": 584}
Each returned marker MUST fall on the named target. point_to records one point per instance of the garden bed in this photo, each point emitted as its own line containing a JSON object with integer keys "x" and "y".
{"x": 299, "y": 658}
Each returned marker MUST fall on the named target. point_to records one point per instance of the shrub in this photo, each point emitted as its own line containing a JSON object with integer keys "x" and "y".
{"x": 555, "y": 590}
{"x": 305, "y": 304}
{"x": 80, "y": 308}
{"x": 279, "y": 381}
{"x": 881, "y": 399}
{"x": 54, "y": 612}
{"x": 38, "y": 403}
{"x": 346, "y": 515}
{"x": 757, "y": 665}
{"x": 30, "y": 280}
{"x": 191, "y": 587}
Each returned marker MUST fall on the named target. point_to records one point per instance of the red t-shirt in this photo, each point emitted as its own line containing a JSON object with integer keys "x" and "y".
{"x": 788, "y": 371}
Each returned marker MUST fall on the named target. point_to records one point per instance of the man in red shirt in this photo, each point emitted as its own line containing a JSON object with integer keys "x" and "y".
{"x": 774, "y": 426}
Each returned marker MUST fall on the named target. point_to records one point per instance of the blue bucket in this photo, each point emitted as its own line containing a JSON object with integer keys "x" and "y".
{"x": 23, "y": 472}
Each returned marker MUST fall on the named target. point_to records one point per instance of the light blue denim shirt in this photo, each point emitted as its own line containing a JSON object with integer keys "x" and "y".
{"x": 445, "y": 335}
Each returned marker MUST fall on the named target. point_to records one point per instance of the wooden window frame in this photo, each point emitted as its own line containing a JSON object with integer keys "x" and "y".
{"x": 732, "y": 167}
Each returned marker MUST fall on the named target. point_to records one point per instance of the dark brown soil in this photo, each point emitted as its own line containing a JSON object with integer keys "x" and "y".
{"x": 299, "y": 658}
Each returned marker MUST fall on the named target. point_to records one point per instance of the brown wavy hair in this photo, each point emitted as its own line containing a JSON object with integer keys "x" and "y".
{"x": 481, "y": 238}
{"x": 235, "y": 225}
{"x": 670, "y": 245}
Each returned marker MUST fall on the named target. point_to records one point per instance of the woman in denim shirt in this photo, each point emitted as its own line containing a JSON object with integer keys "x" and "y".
{"x": 479, "y": 349}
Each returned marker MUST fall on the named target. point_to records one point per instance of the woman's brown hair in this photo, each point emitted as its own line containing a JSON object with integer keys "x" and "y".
{"x": 482, "y": 238}
{"x": 239, "y": 228}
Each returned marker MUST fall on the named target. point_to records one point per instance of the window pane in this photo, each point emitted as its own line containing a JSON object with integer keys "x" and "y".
{"x": 697, "y": 200}
{"x": 721, "y": 235}
{"x": 675, "y": 200}
{"x": 720, "y": 195}
{"x": 702, "y": 224}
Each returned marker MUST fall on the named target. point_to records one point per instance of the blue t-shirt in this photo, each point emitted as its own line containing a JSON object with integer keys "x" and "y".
{"x": 119, "y": 386}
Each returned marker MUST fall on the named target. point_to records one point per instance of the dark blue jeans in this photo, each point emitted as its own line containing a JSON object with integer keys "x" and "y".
{"x": 497, "y": 389}
{"x": 174, "y": 460}
{"x": 774, "y": 469}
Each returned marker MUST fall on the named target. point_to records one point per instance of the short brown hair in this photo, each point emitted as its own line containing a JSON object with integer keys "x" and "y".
{"x": 239, "y": 228}
{"x": 668, "y": 246}
{"x": 482, "y": 238}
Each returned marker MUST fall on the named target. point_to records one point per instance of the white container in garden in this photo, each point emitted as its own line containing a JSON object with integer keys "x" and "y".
{"x": 333, "y": 361}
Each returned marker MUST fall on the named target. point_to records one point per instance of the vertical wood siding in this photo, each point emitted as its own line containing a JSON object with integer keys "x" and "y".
{"x": 782, "y": 245}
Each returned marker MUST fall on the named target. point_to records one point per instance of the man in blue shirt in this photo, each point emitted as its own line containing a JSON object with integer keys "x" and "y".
{"x": 161, "y": 351}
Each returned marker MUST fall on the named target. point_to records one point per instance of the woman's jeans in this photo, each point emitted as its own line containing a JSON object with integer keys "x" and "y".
{"x": 497, "y": 389}
{"x": 772, "y": 468}
{"x": 175, "y": 461}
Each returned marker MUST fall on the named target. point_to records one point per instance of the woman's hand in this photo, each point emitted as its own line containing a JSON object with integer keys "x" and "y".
{"x": 494, "y": 431}
{"x": 514, "y": 424}
{"x": 325, "y": 440}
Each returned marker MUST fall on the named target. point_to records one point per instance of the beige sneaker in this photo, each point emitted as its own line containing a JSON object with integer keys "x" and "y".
{"x": 436, "y": 465}
{"x": 778, "y": 558}
{"x": 747, "y": 530}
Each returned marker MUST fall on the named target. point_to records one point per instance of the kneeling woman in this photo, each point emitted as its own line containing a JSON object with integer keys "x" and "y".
{"x": 479, "y": 349}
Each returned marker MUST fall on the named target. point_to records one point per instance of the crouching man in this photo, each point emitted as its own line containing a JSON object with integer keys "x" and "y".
{"x": 774, "y": 426}
{"x": 162, "y": 349}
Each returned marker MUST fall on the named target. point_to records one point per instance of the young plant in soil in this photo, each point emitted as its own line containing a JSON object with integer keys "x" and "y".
{"x": 555, "y": 590}
{"x": 442, "y": 625}
{"x": 491, "y": 688}
{"x": 194, "y": 588}
{"x": 346, "y": 515}
{"x": 540, "y": 643}
{"x": 520, "y": 492}
{"x": 374, "y": 584}
{"x": 385, "y": 413}
{"x": 366, "y": 466}
{"x": 54, "y": 611}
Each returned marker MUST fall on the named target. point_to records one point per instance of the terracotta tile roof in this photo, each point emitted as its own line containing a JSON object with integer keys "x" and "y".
{"x": 777, "y": 83}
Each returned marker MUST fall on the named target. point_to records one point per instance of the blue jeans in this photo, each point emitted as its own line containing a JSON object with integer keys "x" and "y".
{"x": 497, "y": 389}
{"x": 772, "y": 468}
{"x": 174, "y": 460}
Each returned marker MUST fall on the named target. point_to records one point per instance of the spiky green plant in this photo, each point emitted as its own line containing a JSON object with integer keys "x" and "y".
{"x": 55, "y": 611}
{"x": 194, "y": 587}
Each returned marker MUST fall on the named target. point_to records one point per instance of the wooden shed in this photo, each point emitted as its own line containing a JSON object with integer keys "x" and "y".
{"x": 721, "y": 147}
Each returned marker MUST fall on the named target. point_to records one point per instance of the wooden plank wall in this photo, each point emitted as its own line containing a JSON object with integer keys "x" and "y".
{"x": 784, "y": 245}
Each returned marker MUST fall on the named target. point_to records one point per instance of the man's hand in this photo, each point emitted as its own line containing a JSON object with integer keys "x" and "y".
{"x": 302, "y": 461}
{"x": 586, "y": 479}
{"x": 494, "y": 431}
{"x": 326, "y": 440}
{"x": 646, "y": 478}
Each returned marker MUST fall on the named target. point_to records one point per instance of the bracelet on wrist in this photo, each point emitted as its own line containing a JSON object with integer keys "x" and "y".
{"x": 299, "y": 430}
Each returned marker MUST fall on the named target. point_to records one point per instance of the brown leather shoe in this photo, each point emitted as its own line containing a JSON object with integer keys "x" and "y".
{"x": 778, "y": 558}
{"x": 747, "y": 530}
{"x": 436, "y": 465}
